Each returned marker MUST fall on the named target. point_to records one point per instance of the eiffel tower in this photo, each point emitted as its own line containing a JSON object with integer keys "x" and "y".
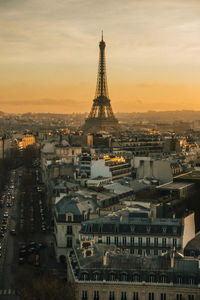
{"x": 101, "y": 116}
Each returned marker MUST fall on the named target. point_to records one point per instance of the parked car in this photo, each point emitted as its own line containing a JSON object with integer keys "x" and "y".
{"x": 13, "y": 232}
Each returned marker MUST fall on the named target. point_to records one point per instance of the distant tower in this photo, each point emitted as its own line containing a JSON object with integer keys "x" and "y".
{"x": 101, "y": 116}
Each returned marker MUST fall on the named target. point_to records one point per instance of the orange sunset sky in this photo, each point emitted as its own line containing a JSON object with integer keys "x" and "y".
{"x": 49, "y": 54}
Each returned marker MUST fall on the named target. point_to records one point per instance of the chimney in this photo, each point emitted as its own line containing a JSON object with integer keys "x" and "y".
{"x": 60, "y": 139}
{"x": 173, "y": 258}
{"x": 105, "y": 258}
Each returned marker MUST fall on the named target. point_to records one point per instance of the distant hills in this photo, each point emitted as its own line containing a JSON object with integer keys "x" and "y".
{"x": 149, "y": 116}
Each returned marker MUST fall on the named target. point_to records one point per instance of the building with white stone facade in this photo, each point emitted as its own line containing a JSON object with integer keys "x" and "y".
{"x": 139, "y": 232}
{"x": 100, "y": 272}
{"x": 69, "y": 213}
{"x": 106, "y": 166}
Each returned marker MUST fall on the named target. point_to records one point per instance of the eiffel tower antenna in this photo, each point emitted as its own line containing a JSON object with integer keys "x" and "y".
{"x": 101, "y": 116}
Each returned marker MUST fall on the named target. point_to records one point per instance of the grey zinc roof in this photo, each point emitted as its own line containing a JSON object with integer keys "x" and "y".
{"x": 121, "y": 261}
{"x": 75, "y": 206}
{"x": 118, "y": 188}
{"x": 66, "y": 205}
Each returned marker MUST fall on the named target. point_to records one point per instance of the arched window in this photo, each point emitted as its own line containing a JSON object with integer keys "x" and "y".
{"x": 136, "y": 277}
{"x": 85, "y": 276}
{"x": 96, "y": 276}
{"x": 112, "y": 276}
{"x": 152, "y": 278}
{"x": 123, "y": 276}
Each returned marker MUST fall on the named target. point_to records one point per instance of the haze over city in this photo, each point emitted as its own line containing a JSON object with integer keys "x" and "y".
{"x": 49, "y": 54}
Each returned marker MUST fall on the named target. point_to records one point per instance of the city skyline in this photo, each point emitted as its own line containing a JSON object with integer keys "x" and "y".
{"x": 50, "y": 51}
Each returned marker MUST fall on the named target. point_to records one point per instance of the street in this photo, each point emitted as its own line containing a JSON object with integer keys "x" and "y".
{"x": 24, "y": 246}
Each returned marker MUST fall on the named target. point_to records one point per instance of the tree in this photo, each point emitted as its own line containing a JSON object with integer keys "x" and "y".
{"x": 47, "y": 287}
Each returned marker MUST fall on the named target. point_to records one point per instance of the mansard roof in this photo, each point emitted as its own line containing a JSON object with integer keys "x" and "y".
{"x": 120, "y": 264}
{"x": 132, "y": 223}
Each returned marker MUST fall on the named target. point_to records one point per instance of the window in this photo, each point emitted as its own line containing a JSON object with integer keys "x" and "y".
{"x": 148, "y": 252}
{"x": 123, "y": 296}
{"x": 132, "y": 241}
{"x": 112, "y": 276}
{"x": 107, "y": 240}
{"x": 179, "y": 280}
{"x": 147, "y": 242}
{"x": 164, "y": 242}
{"x": 163, "y": 278}
{"x": 132, "y": 228}
{"x": 151, "y": 296}
{"x": 151, "y": 278}
{"x": 191, "y": 280}
{"x": 84, "y": 295}
{"x": 116, "y": 240}
{"x": 148, "y": 229}
{"x": 190, "y": 297}
{"x": 155, "y": 252}
{"x": 156, "y": 242}
{"x": 96, "y": 276}
{"x": 136, "y": 278}
{"x": 69, "y": 242}
{"x": 112, "y": 296}
{"x": 96, "y": 295}
{"x": 124, "y": 241}
{"x": 163, "y": 296}
{"x": 135, "y": 296}
{"x": 69, "y": 229}
{"x": 178, "y": 296}
{"x": 140, "y": 241}
{"x": 139, "y": 251}
{"x": 84, "y": 276}
{"x": 131, "y": 251}
{"x": 174, "y": 242}
{"x": 69, "y": 218}
{"x": 123, "y": 277}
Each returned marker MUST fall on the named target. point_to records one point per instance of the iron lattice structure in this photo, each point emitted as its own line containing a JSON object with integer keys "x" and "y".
{"x": 101, "y": 115}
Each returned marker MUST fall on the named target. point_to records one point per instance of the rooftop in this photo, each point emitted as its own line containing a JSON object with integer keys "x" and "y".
{"x": 175, "y": 186}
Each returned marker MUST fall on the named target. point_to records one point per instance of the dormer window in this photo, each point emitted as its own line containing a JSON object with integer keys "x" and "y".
{"x": 191, "y": 280}
{"x": 179, "y": 280}
{"x": 100, "y": 228}
{"x": 69, "y": 217}
{"x": 148, "y": 229}
{"x": 132, "y": 228}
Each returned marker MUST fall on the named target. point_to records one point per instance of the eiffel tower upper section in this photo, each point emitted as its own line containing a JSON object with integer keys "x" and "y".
{"x": 101, "y": 116}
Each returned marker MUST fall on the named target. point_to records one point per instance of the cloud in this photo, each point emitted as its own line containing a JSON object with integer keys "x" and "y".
{"x": 69, "y": 30}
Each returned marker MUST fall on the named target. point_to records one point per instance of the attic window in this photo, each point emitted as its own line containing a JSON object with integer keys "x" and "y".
{"x": 69, "y": 217}
{"x": 148, "y": 229}
{"x": 132, "y": 228}
{"x": 164, "y": 229}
